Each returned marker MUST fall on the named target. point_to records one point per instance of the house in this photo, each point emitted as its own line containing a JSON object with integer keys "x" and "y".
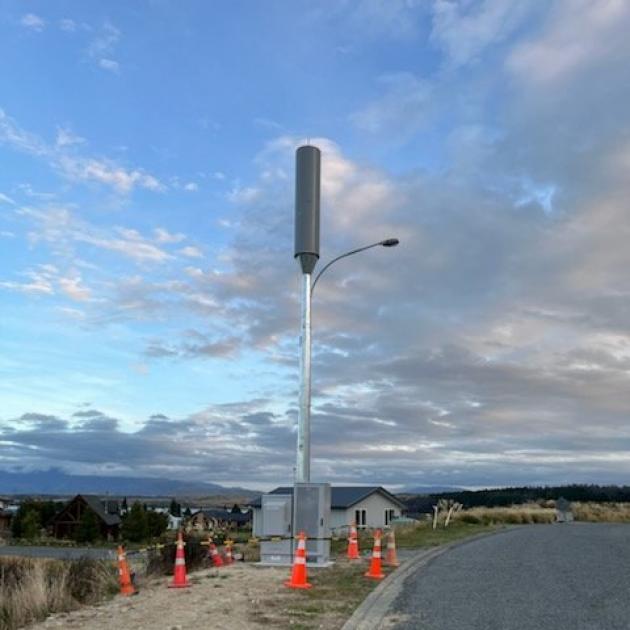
{"x": 65, "y": 524}
{"x": 174, "y": 522}
{"x": 367, "y": 506}
{"x": 211, "y": 519}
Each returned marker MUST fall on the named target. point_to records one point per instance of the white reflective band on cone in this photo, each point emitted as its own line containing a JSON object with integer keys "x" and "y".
{"x": 179, "y": 562}
{"x": 300, "y": 560}
{"x": 377, "y": 554}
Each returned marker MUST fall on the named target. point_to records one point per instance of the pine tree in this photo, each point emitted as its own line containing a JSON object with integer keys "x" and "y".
{"x": 175, "y": 509}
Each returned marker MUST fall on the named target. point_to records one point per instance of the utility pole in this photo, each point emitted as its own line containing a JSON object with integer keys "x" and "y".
{"x": 307, "y": 196}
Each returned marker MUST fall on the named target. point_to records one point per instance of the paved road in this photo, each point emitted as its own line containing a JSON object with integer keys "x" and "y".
{"x": 562, "y": 577}
{"x": 60, "y": 553}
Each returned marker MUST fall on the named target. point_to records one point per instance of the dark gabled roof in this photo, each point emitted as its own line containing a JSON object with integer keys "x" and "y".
{"x": 96, "y": 505}
{"x": 342, "y": 497}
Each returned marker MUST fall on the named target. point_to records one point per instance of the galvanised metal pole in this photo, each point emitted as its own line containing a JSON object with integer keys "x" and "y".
{"x": 303, "y": 469}
{"x": 307, "y": 194}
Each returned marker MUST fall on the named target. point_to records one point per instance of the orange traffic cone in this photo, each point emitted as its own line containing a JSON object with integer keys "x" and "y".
{"x": 298, "y": 574}
{"x": 391, "y": 559}
{"x": 228, "y": 552}
{"x": 375, "y": 571}
{"x": 217, "y": 561}
{"x": 124, "y": 577}
{"x": 180, "y": 580}
{"x": 353, "y": 544}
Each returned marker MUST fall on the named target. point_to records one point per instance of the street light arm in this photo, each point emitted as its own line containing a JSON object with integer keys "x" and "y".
{"x": 385, "y": 243}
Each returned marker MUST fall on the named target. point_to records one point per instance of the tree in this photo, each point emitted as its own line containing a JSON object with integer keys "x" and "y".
{"x": 187, "y": 512}
{"x": 236, "y": 509}
{"x": 30, "y": 518}
{"x": 135, "y": 525}
{"x": 175, "y": 509}
{"x": 124, "y": 507}
{"x": 156, "y": 523}
{"x": 88, "y": 529}
{"x": 31, "y": 525}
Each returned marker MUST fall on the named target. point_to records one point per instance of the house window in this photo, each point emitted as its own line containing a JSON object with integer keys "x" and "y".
{"x": 390, "y": 515}
{"x": 360, "y": 518}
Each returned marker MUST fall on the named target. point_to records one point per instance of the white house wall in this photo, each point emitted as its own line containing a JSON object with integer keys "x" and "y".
{"x": 375, "y": 504}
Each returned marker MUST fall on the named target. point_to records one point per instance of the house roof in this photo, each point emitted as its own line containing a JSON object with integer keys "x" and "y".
{"x": 96, "y": 505}
{"x": 342, "y": 497}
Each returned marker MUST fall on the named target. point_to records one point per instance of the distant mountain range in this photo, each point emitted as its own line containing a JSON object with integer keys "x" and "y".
{"x": 428, "y": 489}
{"x": 58, "y": 482}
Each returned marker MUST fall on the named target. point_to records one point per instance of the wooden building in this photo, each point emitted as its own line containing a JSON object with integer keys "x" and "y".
{"x": 5, "y": 521}
{"x": 212, "y": 519}
{"x": 66, "y": 523}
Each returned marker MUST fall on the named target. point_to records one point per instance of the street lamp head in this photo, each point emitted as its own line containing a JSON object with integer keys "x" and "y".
{"x": 390, "y": 242}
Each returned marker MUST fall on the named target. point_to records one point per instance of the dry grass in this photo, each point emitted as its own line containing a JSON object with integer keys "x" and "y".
{"x": 544, "y": 512}
{"x": 30, "y": 589}
{"x": 602, "y": 512}
{"x": 525, "y": 514}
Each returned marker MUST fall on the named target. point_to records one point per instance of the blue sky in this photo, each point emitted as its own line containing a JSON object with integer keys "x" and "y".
{"x": 149, "y": 298}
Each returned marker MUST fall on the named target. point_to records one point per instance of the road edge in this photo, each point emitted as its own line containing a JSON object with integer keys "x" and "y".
{"x": 373, "y": 609}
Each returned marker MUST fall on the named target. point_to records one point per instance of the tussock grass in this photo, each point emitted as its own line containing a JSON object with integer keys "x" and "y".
{"x": 32, "y": 588}
{"x": 601, "y": 512}
{"x": 544, "y": 512}
{"x": 525, "y": 514}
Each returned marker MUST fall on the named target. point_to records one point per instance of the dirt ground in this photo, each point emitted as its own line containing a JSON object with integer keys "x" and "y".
{"x": 240, "y": 596}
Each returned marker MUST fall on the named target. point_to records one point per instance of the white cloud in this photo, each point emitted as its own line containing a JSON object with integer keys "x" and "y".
{"x": 191, "y": 252}
{"x": 465, "y": 29}
{"x": 6, "y": 199}
{"x": 33, "y": 22}
{"x": 72, "y": 287}
{"x": 107, "y": 172}
{"x": 402, "y": 109}
{"x": 68, "y": 25}
{"x": 245, "y": 194}
{"x": 164, "y": 236}
{"x": 39, "y": 281}
{"x": 396, "y": 19}
{"x": 105, "y": 42}
{"x": 579, "y": 33}
{"x": 103, "y": 47}
{"x": 59, "y": 227}
{"x": 139, "y": 250}
{"x": 191, "y": 187}
{"x": 12, "y": 134}
{"x": 65, "y": 137}
{"x": 72, "y": 165}
{"x": 109, "y": 64}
